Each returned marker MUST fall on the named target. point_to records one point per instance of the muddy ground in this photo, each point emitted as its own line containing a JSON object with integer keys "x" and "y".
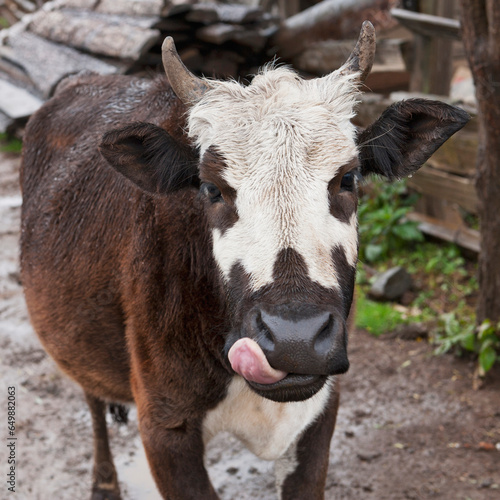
{"x": 410, "y": 425}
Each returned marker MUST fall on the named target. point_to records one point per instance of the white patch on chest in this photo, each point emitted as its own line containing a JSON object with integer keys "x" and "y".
{"x": 267, "y": 429}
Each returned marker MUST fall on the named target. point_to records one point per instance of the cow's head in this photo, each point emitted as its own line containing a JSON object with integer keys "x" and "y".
{"x": 279, "y": 162}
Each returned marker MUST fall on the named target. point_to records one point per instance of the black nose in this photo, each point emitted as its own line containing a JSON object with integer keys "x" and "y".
{"x": 310, "y": 342}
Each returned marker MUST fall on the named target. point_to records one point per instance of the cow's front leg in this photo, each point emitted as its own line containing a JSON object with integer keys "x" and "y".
{"x": 175, "y": 457}
{"x": 301, "y": 472}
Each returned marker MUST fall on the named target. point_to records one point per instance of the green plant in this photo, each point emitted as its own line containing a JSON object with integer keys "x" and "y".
{"x": 10, "y": 144}
{"x": 376, "y": 317}
{"x": 460, "y": 335}
{"x": 383, "y": 226}
{"x": 488, "y": 338}
{"x": 454, "y": 333}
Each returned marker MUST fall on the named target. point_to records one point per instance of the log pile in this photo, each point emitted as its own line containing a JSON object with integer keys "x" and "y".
{"x": 214, "y": 38}
{"x": 13, "y": 11}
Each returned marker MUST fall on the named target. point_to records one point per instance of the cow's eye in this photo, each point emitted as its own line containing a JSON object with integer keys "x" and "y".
{"x": 348, "y": 182}
{"x": 211, "y": 191}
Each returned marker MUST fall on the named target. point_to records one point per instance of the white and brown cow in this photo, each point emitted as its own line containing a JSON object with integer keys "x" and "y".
{"x": 208, "y": 276}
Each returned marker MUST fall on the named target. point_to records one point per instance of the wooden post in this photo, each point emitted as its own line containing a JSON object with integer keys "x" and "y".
{"x": 432, "y": 67}
{"x": 481, "y": 35}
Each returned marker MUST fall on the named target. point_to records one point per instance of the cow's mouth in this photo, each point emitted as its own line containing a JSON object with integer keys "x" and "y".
{"x": 248, "y": 360}
{"x": 294, "y": 387}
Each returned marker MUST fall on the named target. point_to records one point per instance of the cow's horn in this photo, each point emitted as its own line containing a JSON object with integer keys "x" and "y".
{"x": 188, "y": 87}
{"x": 361, "y": 58}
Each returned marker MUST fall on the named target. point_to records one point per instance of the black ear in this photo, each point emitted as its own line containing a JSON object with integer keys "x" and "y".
{"x": 406, "y": 135}
{"x": 150, "y": 157}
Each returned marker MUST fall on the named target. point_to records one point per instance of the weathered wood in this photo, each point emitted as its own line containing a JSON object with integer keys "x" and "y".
{"x": 458, "y": 155}
{"x": 96, "y": 35}
{"x": 172, "y": 25}
{"x": 23, "y": 5}
{"x": 446, "y": 186}
{"x": 8, "y": 16}
{"x": 432, "y": 65}
{"x": 11, "y": 69}
{"x": 256, "y": 39}
{"x": 220, "y": 64}
{"x": 327, "y": 20}
{"x": 14, "y": 10}
{"x": 388, "y": 79}
{"x": 16, "y": 102}
{"x": 177, "y": 7}
{"x": 233, "y": 14}
{"x": 288, "y": 8}
{"x": 427, "y": 24}
{"x": 462, "y": 236}
{"x": 445, "y": 211}
{"x": 328, "y": 55}
{"x": 48, "y": 63}
{"x": 218, "y": 33}
{"x": 131, "y": 7}
{"x": 86, "y": 5}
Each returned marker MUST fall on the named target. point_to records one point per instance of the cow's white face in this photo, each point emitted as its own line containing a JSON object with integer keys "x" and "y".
{"x": 282, "y": 146}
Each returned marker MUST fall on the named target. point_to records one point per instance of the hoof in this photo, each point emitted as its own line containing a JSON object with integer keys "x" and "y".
{"x": 104, "y": 494}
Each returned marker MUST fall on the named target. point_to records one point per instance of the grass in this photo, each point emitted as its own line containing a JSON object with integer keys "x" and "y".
{"x": 10, "y": 144}
{"x": 376, "y": 317}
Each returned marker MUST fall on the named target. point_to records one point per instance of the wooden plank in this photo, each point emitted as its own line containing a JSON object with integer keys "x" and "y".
{"x": 218, "y": 33}
{"x": 10, "y": 68}
{"x": 432, "y": 64}
{"x": 458, "y": 155}
{"x": 453, "y": 188}
{"x": 172, "y": 25}
{"x": 326, "y": 20}
{"x": 86, "y": 5}
{"x": 203, "y": 14}
{"x": 232, "y": 14}
{"x": 385, "y": 80}
{"x": 427, "y": 24}
{"x": 131, "y": 7}
{"x": 98, "y": 36}
{"x": 174, "y": 8}
{"x": 255, "y": 39}
{"x": 47, "y": 63}
{"x": 17, "y": 103}
{"x": 328, "y": 55}
{"x": 239, "y": 14}
{"x": 462, "y": 236}
{"x": 24, "y": 5}
{"x": 143, "y": 22}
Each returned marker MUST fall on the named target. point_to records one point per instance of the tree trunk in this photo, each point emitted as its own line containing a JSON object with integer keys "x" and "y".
{"x": 481, "y": 35}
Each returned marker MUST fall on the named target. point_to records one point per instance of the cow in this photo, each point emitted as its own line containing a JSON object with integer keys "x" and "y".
{"x": 190, "y": 245}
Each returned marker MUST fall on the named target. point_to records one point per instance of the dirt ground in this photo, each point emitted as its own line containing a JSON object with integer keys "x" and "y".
{"x": 410, "y": 426}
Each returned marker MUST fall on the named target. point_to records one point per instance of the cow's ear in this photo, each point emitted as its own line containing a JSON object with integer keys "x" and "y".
{"x": 150, "y": 157}
{"x": 406, "y": 135}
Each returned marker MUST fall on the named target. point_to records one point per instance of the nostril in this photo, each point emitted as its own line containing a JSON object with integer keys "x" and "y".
{"x": 264, "y": 334}
{"x": 324, "y": 339}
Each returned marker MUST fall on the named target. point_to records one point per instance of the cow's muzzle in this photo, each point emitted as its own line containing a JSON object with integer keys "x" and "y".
{"x": 286, "y": 353}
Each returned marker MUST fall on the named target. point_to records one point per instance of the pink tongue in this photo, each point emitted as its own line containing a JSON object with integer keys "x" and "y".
{"x": 248, "y": 360}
